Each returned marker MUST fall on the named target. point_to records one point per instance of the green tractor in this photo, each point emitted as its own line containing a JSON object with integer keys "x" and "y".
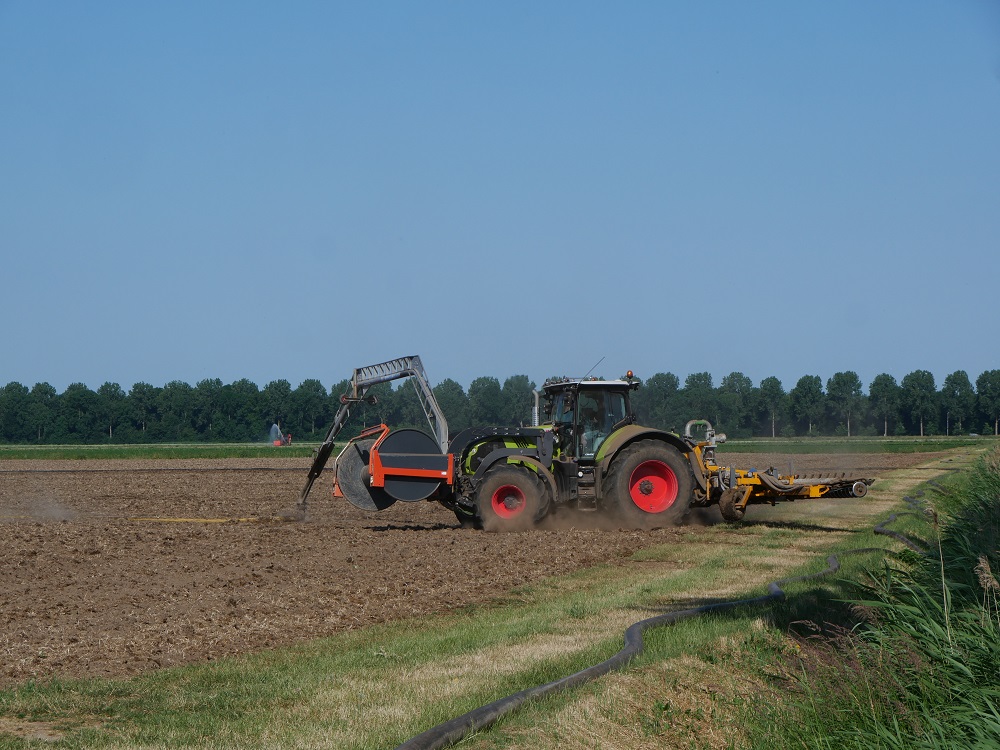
{"x": 603, "y": 461}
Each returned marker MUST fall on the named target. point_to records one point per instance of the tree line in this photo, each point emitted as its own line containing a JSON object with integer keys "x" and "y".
{"x": 211, "y": 411}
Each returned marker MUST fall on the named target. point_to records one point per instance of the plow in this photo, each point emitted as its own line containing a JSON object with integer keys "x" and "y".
{"x": 585, "y": 451}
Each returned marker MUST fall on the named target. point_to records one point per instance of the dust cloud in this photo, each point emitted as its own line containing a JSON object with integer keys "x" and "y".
{"x": 42, "y": 509}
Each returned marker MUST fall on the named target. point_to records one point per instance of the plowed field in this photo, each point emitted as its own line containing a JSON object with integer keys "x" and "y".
{"x": 111, "y": 568}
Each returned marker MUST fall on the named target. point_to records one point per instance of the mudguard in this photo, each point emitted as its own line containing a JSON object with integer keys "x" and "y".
{"x": 539, "y": 453}
{"x": 539, "y": 468}
{"x": 629, "y": 434}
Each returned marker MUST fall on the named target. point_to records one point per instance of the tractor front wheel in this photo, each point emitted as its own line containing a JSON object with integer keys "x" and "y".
{"x": 511, "y": 498}
{"x": 649, "y": 485}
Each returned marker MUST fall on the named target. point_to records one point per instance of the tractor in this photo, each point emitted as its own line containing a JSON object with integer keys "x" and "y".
{"x": 588, "y": 454}
{"x": 277, "y": 438}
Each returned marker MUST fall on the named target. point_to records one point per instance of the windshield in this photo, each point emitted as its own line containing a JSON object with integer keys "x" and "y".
{"x": 587, "y": 418}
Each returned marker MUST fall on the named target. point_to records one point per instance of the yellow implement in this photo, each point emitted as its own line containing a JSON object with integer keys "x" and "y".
{"x": 734, "y": 489}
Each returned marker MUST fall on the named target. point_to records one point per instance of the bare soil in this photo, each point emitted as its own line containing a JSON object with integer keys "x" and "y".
{"x": 113, "y": 568}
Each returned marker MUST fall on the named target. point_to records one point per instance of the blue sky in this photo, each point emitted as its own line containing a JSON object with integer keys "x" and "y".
{"x": 263, "y": 190}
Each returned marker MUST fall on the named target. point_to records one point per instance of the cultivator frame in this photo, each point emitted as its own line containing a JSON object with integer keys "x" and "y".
{"x": 734, "y": 489}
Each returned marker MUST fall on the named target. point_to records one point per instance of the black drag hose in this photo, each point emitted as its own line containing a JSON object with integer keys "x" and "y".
{"x": 458, "y": 728}
{"x": 452, "y": 731}
{"x": 913, "y": 502}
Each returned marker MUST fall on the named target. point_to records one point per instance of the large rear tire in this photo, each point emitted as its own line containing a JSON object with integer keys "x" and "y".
{"x": 511, "y": 498}
{"x": 649, "y": 485}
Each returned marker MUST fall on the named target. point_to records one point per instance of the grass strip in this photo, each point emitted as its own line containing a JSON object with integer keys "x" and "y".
{"x": 788, "y": 446}
{"x": 151, "y": 451}
{"x": 799, "y": 446}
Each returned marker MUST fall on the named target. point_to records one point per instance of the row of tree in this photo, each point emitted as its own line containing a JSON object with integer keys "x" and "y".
{"x": 241, "y": 412}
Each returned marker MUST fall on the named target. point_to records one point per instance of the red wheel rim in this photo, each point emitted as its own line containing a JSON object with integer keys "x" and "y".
{"x": 508, "y": 501}
{"x": 653, "y": 486}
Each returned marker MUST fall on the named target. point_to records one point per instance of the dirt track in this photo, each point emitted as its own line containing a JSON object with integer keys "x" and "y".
{"x": 92, "y": 587}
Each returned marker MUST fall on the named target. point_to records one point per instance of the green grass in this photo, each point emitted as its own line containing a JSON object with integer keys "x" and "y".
{"x": 154, "y": 451}
{"x": 922, "y": 670}
{"x": 791, "y": 446}
{"x": 856, "y": 444}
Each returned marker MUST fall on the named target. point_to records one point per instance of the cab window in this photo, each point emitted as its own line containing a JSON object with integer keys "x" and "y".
{"x": 599, "y": 412}
{"x": 562, "y": 408}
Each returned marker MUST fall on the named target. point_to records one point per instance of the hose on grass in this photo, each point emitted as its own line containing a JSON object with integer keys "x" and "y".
{"x": 460, "y": 727}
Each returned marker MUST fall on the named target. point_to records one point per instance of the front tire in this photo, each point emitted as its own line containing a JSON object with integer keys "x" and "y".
{"x": 650, "y": 485}
{"x": 511, "y": 498}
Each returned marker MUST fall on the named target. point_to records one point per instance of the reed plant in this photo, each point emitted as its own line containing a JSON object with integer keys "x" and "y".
{"x": 922, "y": 669}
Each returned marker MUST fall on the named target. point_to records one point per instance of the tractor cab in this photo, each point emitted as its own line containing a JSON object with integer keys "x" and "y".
{"x": 583, "y": 413}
